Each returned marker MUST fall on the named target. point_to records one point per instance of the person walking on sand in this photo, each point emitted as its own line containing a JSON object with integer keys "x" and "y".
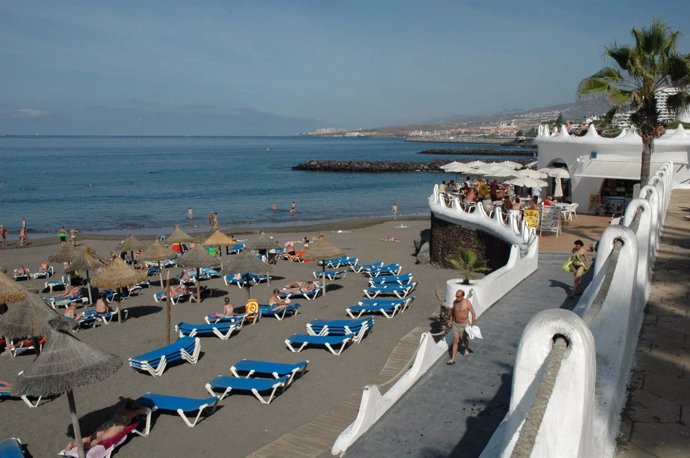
{"x": 210, "y": 220}
{"x": 62, "y": 235}
{"x": 73, "y": 237}
{"x": 22, "y": 237}
{"x": 394, "y": 209}
{"x": 459, "y": 318}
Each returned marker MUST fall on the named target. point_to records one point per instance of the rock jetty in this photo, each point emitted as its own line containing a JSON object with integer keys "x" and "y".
{"x": 532, "y": 152}
{"x": 369, "y": 166}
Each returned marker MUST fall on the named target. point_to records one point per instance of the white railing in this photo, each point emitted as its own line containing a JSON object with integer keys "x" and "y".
{"x": 583, "y": 421}
{"x": 483, "y": 293}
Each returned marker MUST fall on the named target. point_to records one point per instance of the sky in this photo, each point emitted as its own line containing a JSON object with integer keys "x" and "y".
{"x": 280, "y": 67}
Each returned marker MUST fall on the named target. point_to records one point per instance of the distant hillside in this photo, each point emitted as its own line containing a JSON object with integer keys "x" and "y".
{"x": 575, "y": 110}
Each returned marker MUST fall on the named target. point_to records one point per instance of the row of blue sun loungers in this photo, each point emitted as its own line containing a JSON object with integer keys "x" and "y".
{"x": 388, "y": 307}
{"x": 155, "y": 361}
{"x": 330, "y": 274}
{"x": 241, "y": 280}
{"x": 334, "y": 335}
{"x": 243, "y": 379}
{"x": 308, "y": 295}
{"x": 334, "y": 263}
{"x": 390, "y": 289}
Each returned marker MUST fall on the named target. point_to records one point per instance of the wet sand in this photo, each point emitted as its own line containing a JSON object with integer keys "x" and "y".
{"x": 241, "y": 424}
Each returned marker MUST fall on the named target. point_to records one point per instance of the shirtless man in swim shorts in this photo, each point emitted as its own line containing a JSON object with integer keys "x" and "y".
{"x": 462, "y": 309}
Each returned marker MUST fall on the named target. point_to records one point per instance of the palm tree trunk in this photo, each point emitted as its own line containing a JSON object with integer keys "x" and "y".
{"x": 647, "y": 148}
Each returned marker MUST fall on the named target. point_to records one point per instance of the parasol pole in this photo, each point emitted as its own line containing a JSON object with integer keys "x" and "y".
{"x": 160, "y": 275}
{"x": 88, "y": 286}
{"x": 119, "y": 303}
{"x": 168, "y": 309}
{"x": 198, "y": 285}
{"x": 75, "y": 423}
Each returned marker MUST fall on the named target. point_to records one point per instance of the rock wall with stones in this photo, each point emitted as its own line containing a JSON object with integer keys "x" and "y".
{"x": 447, "y": 239}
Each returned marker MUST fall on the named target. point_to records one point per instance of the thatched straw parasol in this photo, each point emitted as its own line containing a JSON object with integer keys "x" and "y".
{"x": 65, "y": 254}
{"x": 220, "y": 240}
{"x": 130, "y": 244}
{"x": 245, "y": 263}
{"x": 157, "y": 252}
{"x": 3, "y": 269}
{"x": 27, "y": 318}
{"x": 322, "y": 250}
{"x": 179, "y": 236}
{"x": 9, "y": 291}
{"x": 263, "y": 243}
{"x": 64, "y": 364}
{"x": 118, "y": 275}
{"x": 198, "y": 257}
{"x": 86, "y": 260}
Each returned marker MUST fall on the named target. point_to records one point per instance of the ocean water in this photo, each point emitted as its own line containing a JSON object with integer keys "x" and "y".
{"x": 144, "y": 185}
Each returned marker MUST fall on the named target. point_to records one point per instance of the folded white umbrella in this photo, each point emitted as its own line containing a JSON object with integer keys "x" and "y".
{"x": 555, "y": 172}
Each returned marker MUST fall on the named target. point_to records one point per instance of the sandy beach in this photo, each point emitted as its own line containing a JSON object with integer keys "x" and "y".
{"x": 241, "y": 424}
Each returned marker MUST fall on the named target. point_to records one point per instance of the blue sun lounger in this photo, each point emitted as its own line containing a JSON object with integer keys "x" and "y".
{"x": 32, "y": 405}
{"x": 399, "y": 279}
{"x": 366, "y": 267}
{"x": 160, "y": 296}
{"x": 358, "y": 328}
{"x": 330, "y": 274}
{"x": 334, "y": 344}
{"x": 11, "y": 448}
{"x": 183, "y": 406}
{"x": 388, "y": 269}
{"x": 216, "y": 318}
{"x": 223, "y": 330}
{"x": 256, "y": 385}
{"x": 390, "y": 289}
{"x": 155, "y": 362}
{"x": 288, "y": 310}
{"x": 388, "y": 307}
{"x": 248, "y": 367}
{"x": 334, "y": 263}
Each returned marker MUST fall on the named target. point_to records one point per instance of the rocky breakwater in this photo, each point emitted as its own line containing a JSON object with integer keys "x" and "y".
{"x": 369, "y": 166}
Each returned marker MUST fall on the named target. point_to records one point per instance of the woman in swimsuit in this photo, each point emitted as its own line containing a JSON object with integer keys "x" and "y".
{"x": 580, "y": 262}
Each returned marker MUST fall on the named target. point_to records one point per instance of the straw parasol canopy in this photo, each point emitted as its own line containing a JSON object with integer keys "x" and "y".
{"x": 131, "y": 243}
{"x": 322, "y": 250}
{"x": 245, "y": 263}
{"x": 264, "y": 243}
{"x": 219, "y": 239}
{"x": 3, "y": 269}
{"x": 198, "y": 257}
{"x": 118, "y": 275}
{"x": 157, "y": 252}
{"x": 179, "y": 236}
{"x": 65, "y": 364}
{"x": 9, "y": 291}
{"x": 65, "y": 254}
{"x": 86, "y": 260}
{"x": 28, "y": 318}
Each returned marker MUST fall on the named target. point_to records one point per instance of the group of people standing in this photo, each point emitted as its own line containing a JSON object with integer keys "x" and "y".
{"x": 63, "y": 235}
{"x": 23, "y": 239}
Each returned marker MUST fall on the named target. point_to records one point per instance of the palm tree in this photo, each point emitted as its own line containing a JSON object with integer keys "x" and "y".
{"x": 652, "y": 63}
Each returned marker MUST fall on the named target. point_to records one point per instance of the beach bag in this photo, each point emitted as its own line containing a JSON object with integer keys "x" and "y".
{"x": 473, "y": 332}
{"x": 568, "y": 266}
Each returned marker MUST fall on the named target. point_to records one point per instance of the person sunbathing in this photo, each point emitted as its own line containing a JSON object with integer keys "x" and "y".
{"x": 102, "y": 305}
{"x": 71, "y": 312}
{"x": 277, "y": 302}
{"x": 70, "y": 292}
{"x": 177, "y": 291}
{"x": 123, "y": 417}
{"x": 5, "y": 386}
{"x": 300, "y": 287}
{"x": 21, "y": 271}
{"x": 44, "y": 267}
{"x": 228, "y": 310}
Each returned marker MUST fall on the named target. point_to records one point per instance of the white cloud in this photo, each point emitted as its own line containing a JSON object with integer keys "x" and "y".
{"x": 30, "y": 113}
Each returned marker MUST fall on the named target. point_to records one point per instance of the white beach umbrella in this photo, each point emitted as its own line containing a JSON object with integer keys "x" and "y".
{"x": 558, "y": 191}
{"x": 511, "y": 164}
{"x": 556, "y": 172}
{"x": 475, "y": 164}
{"x": 500, "y": 172}
{"x": 531, "y": 173}
{"x": 527, "y": 182}
{"x": 460, "y": 168}
{"x": 450, "y": 165}
{"x": 531, "y": 165}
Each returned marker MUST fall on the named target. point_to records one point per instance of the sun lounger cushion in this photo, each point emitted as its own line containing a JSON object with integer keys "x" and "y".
{"x": 255, "y": 385}
{"x": 389, "y": 269}
{"x": 223, "y": 330}
{"x": 250, "y": 367}
{"x": 366, "y": 267}
{"x": 181, "y": 405}
{"x": 334, "y": 344}
{"x": 390, "y": 289}
{"x": 155, "y": 361}
{"x": 383, "y": 279}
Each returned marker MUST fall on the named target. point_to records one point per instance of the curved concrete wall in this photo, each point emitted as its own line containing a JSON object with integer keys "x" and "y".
{"x": 483, "y": 293}
{"x": 614, "y": 325}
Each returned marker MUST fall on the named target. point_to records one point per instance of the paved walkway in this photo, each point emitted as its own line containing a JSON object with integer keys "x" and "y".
{"x": 656, "y": 420}
{"x": 454, "y": 410}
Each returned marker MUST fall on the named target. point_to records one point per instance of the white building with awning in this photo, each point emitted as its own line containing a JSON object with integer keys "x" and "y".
{"x": 604, "y": 170}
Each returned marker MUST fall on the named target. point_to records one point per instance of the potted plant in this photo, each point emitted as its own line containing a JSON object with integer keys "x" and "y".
{"x": 469, "y": 264}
